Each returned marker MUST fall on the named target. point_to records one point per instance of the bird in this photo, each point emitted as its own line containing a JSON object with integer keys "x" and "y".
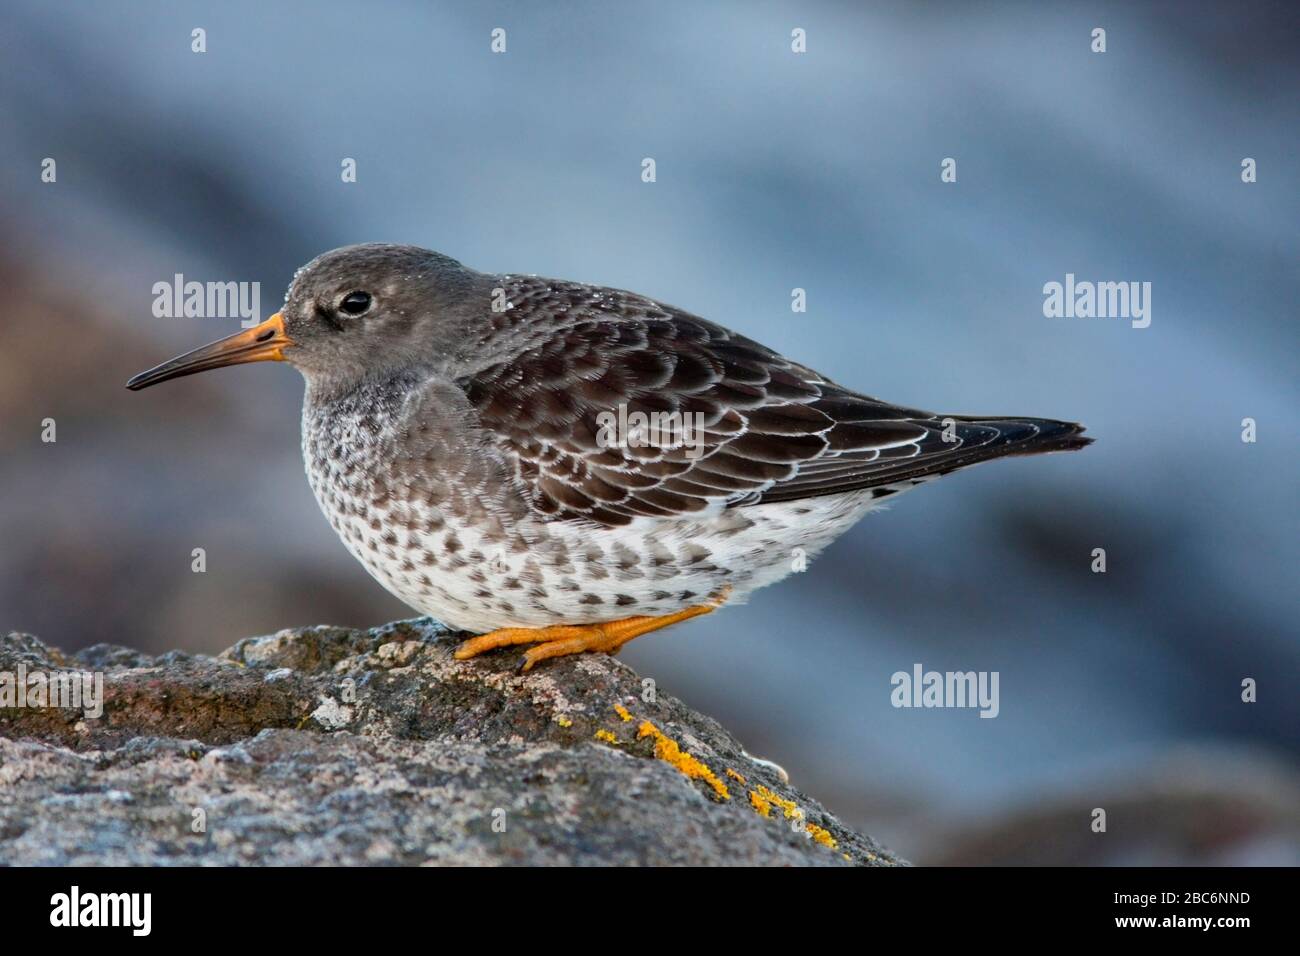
{"x": 568, "y": 466}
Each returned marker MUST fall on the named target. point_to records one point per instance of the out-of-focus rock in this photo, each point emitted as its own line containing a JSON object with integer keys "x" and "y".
{"x": 327, "y": 745}
{"x": 1194, "y": 806}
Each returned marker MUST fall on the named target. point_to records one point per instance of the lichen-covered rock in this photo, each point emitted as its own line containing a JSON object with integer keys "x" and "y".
{"x": 334, "y": 746}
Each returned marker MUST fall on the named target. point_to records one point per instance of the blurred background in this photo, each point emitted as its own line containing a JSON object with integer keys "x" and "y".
{"x": 775, "y": 170}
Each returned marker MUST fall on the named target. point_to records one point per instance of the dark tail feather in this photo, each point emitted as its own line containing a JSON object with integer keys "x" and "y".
{"x": 980, "y": 439}
{"x": 1030, "y": 436}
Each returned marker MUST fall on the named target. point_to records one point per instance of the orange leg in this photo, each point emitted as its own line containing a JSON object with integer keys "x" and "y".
{"x": 561, "y": 639}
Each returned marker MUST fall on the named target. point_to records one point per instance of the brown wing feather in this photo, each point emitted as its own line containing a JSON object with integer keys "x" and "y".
{"x": 772, "y": 430}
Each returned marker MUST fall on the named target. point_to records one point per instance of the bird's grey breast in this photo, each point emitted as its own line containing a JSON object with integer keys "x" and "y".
{"x": 394, "y": 454}
{"x": 348, "y": 442}
{"x": 413, "y": 493}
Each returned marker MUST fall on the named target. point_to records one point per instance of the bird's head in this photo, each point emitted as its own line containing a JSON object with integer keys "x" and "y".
{"x": 354, "y": 313}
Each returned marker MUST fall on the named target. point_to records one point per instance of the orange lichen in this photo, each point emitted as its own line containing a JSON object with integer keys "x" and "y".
{"x": 666, "y": 749}
{"x": 821, "y": 835}
{"x": 564, "y": 721}
{"x": 622, "y": 712}
{"x": 735, "y": 776}
{"x": 788, "y": 807}
{"x": 763, "y": 799}
{"x": 606, "y": 736}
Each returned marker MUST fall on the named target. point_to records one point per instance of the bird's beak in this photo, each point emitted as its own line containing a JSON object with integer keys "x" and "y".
{"x": 262, "y": 343}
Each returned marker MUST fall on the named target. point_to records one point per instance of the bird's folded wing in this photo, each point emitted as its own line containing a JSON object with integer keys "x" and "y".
{"x": 653, "y": 412}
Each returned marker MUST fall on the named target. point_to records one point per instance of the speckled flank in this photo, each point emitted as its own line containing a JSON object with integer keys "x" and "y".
{"x": 434, "y": 522}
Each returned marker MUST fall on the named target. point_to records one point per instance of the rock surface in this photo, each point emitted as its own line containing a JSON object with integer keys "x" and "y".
{"x": 326, "y": 745}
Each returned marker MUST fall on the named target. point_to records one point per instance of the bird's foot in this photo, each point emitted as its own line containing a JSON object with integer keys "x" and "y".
{"x": 563, "y": 639}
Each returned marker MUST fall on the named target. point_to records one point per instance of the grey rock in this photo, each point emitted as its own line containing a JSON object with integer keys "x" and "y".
{"x": 326, "y": 745}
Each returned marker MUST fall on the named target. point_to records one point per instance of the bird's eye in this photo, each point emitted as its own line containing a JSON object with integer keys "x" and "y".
{"x": 355, "y": 303}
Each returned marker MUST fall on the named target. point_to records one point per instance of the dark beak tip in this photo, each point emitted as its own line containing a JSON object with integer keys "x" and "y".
{"x": 261, "y": 343}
